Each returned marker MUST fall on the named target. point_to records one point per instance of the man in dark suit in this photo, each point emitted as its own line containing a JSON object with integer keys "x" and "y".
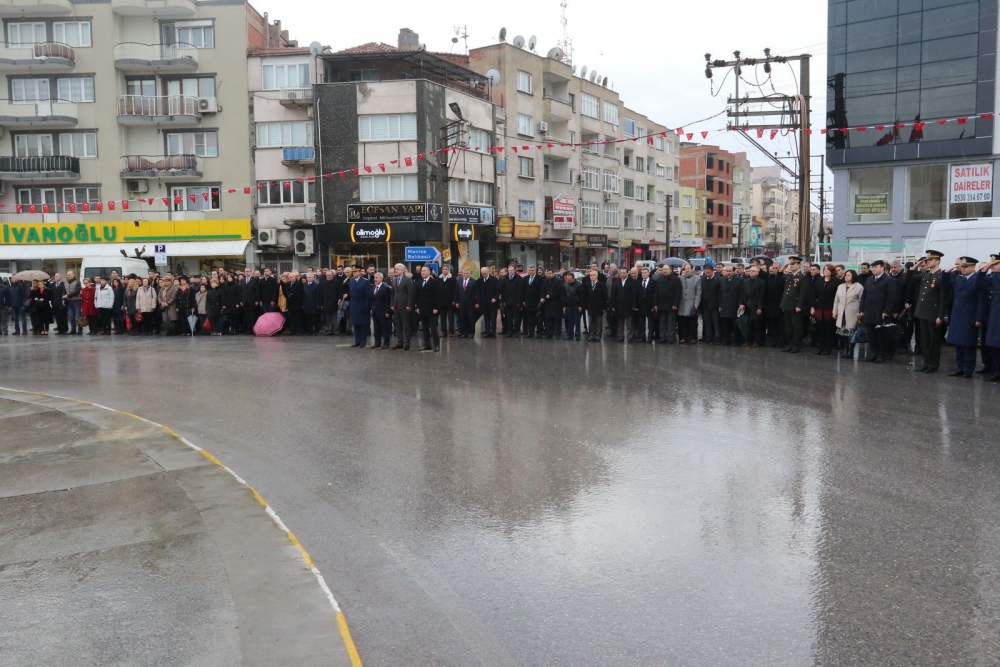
{"x": 360, "y": 306}
{"x": 731, "y": 290}
{"x": 59, "y": 296}
{"x": 647, "y": 306}
{"x": 595, "y": 302}
{"x": 402, "y": 305}
{"x": 963, "y": 326}
{"x": 512, "y": 298}
{"x": 533, "y": 286}
{"x": 268, "y": 292}
{"x": 249, "y": 300}
{"x": 774, "y": 321}
{"x": 381, "y": 311}
{"x": 487, "y": 301}
{"x": 465, "y": 304}
{"x": 427, "y": 303}
{"x": 626, "y": 300}
{"x": 878, "y": 308}
{"x": 669, "y": 294}
{"x": 447, "y": 309}
{"x": 711, "y": 298}
{"x": 330, "y": 294}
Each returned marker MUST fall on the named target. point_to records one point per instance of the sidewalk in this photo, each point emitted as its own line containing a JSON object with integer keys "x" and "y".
{"x": 120, "y": 544}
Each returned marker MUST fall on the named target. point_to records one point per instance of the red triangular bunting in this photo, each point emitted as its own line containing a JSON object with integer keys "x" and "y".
{"x": 680, "y": 130}
{"x": 704, "y": 135}
{"x": 382, "y": 167}
{"x": 689, "y": 135}
{"x": 86, "y": 207}
{"x": 368, "y": 169}
{"x": 17, "y": 208}
{"x": 45, "y": 208}
{"x": 774, "y": 133}
{"x": 760, "y": 133}
{"x": 72, "y": 208}
{"x": 961, "y": 121}
{"x": 100, "y": 206}
{"x": 942, "y": 121}
{"x": 861, "y": 128}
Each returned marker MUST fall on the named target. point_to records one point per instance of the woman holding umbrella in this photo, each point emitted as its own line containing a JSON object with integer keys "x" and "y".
{"x": 41, "y": 307}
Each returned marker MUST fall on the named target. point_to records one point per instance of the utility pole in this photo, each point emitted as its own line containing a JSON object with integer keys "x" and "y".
{"x": 451, "y": 136}
{"x": 804, "y": 155}
{"x": 666, "y": 234}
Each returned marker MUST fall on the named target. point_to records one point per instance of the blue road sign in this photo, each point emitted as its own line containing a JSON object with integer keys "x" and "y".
{"x": 420, "y": 254}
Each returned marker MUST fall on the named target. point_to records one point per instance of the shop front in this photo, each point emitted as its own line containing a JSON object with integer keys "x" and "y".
{"x": 186, "y": 247}
{"x": 590, "y": 248}
{"x": 686, "y": 246}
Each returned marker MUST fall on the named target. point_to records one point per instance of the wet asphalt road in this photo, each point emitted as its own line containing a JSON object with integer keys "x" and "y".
{"x": 553, "y": 503}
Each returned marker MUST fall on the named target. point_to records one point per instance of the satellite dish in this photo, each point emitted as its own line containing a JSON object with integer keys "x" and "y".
{"x": 531, "y": 43}
{"x": 555, "y": 53}
{"x": 583, "y": 72}
{"x": 593, "y": 76}
{"x": 574, "y": 69}
{"x": 605, "y": 82}
{"x": 454, "y": 40}
{"x": 503, "y": 34}
{"x": 519, "y": 42}
{"x": 494, "y": 76}
{"x": 315, "y": 48}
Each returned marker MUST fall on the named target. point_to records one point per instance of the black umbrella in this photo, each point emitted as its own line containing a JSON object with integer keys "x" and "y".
{"x": 674, "y": 262}
{"x": 768, "y": 261}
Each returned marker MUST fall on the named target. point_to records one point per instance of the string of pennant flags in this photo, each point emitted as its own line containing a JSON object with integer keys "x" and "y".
{"x": 893, "y": 128}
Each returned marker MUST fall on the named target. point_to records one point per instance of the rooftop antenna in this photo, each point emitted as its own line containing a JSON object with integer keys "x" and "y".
{"x": 566, "y": 44}
{"x": 531, "y": 43}
{"x": 583, "y": 72}
{"x": 461, "y": 32}
{"x": 493, "y": 76}
{"x": 519, "y": 42}
{"x": 503, "y": 34}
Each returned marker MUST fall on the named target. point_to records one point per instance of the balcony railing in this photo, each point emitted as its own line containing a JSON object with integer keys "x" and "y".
{"x": 158, "y": 108}
{"x": 31, "y": 168}
{"x": 133, "y": 55}
{"x": 160, "y": 166}
{"x": 300, "y": 213}
{"x": 298, "y": 154}
{"x": 63, "y": 56}
{"x": 293, "y": 97}
{"x": 33, "y": 112}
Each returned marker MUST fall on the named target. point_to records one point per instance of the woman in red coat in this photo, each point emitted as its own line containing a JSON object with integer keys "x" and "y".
{"x": 87, "y": 308}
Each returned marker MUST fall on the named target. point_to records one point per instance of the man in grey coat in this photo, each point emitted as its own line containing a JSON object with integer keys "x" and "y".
{"x": 687, "y": 316}
{"x": 402, "y": 305}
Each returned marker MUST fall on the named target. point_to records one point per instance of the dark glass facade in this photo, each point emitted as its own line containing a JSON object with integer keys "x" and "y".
{"x": 907, "y": 60}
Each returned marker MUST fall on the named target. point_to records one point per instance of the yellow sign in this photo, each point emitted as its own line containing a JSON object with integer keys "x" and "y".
{"x": 505, "y": 225}
{"x": 446, "y": 255}
{"x": 155, "y": 231}
{"x": 527, "y": 230}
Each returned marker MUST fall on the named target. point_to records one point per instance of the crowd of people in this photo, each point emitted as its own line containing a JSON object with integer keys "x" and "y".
{"x": 828, "y": 307}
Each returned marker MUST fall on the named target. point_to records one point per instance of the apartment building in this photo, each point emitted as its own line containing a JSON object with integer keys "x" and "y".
{"x": 137, "y": 101}
{"x": 772, "y": 202}
{"x": 387, "y": 108}
{"x": 742, "y": 192}
{"x": 711, "y": 169}
{"x": 688, "y": 239}
{"x": 573, "y": 205}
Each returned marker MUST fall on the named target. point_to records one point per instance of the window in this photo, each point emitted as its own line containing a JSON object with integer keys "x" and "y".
{"x": 590, "y": 214}
{"x": 33, "y": 145}
{"x": 203, "y": 144}
{"x": 610, "y": 112}
{"x": 295, "y": 133}
{"x": 870, "y": 196}
{"x": 364, "y": 75}
{"x": 78, "y": 144}
{"x": 389, "y": 188}
{"x": 640, "y": 222}
{"x": 80, "y": 196}
{"x": 37, "y": 196}
{"x": 640, "y": 163}
{"x": 196, "y": 198}
{"x": 278, "y": 75}
{"x": 661, "y": 171}
{"x": 76, "y": 89}
{"x": 661, "y": 197}
{"x": 629, "y": 188}
{"x": 145, "y": 87}
{"x": 628, "y": 127}
{"x": 480, "y": 193}
{"x": 649, "y": 166}
{"x": 524, "y": 81}
{"x": 661, "y": 224}
{"x": 928, "y": 190}
{"x": 525, "y": 210}
{"x": 590, "y": 106}
{"x": 480, "y": 140}
{"x": 591, "y": 178}
{"x": 686, "y": 201}
{"x": 670, "y": 173}
{"x": 710, "y": 162}
{"x": 626, "y": 220}
{"x": 524, "y": 125}
{"x": 74, "y": 33}
{"x": 25, "y": 33}
{"x": 392, "y": 127}
{"x": 659, "y": 143}
{"x": 203, "y": 86}
{"x": 611, "y": 215}
{"x": 201, "y": 35}
{"x": 455, "y": 190}
{"x": 276, "y": 193}
{"x": 29, "y": 90}
{"x": 611, "y": 181}
{"x": 686, "y": 227}
{"x": 526, "y": 167}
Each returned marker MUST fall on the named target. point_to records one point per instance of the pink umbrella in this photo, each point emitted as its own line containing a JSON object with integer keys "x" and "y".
{"x": 269, "y": 324}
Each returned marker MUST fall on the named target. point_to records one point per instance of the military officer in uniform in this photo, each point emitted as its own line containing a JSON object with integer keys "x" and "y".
{"x": 985, "y": 299}
{"x": 990, "y": 317}
{"x": 793, "y": 303}
{"x": 962, "y": 330}
{"x": 930, "y": 310}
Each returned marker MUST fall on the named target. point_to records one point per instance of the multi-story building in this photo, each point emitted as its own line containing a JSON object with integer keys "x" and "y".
{"x": 772, "y": 203}
{"x": 742, "y": 192}
{"x": 604, "y": 200}
{"x": 280, "y": 78}
{"x": 689, "y": 233}
{"x": 123, "y": 102}
{"x": 710, "y": 168}
{"x": 909, "y": 62}
{"x": 382, "y": 115}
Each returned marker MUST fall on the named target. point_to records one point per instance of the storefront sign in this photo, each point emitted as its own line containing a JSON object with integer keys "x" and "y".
{"x": 971, "y": 183}
{"x": 597, "y": 240}
{"x": 679, "y": 242}
{"x": 527, "y": 230}
{"x": 388, "y": 213}
{"x": 470, "y": 215}
{"x": 754, "y": 236}
{"x": 37, "y": 233}
{"x": 871, "y": 204}
{"x": 372, "y": 232}
{"x": 579, "y": 240}
{"x": 563, "y": 213}
{"x": 464, "y": 232}
{"x": 505, "y": 226}
{"x": 625, "y": 243}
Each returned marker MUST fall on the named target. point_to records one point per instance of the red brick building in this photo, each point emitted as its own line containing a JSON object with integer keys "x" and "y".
{"x": 710, "y": 168}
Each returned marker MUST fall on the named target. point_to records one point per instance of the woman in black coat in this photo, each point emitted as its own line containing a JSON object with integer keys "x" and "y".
{"x": 231, "y": 297}
{"x": 213, "y": 308}
{"x": 117, "y": 310}
{"x": 824, "y": 294}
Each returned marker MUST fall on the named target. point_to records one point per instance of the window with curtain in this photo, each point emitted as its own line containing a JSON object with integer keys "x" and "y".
{"x": 277, "y": 134}
{"x": 278, "y": 75}
{"x": 387, "y": 127}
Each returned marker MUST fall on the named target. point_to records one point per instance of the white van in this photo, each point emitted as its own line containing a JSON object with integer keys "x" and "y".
{"x": 93, "y": 267}
{"x": 967, "y": 237}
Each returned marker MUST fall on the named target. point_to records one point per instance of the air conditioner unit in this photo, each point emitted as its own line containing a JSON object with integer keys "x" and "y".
{"x": 607, "y": 196}
{"x": 543, "y": 127}
{"x": 208, "y": 104}
{"x": 3, "y": 188}
{"x": 267, "y": 237}
{"x": 309, "y": 112}
{"x": 137, "y": 185}
{"x": 303, "y": 241}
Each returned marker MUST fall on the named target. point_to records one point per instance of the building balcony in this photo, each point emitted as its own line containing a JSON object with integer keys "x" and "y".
{"x": 298, "y": 155}
{"x": 145, "y": 58}
{"x": 565, "y": 152}
{"x": 41, "y": 57}
{"x": 160, "y": 166}
{"x": 159, "y": 8}
{"x": 556, "y": 108}
{"x": 52, "y": 167}
{"x": 35, "y": 7}
{"x": 300, "y": 214}
{"x": 37, "y": 114}
{"x": 158, "y": 110}
{"x": 295, "y": 97}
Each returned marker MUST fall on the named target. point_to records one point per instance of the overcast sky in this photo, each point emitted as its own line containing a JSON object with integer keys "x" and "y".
{"x": 653, "y": 53}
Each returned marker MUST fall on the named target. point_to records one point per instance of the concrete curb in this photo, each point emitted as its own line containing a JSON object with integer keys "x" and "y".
{"x": 281, "y": 607}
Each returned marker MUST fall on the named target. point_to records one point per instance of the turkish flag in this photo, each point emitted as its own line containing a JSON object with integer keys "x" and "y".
{"x": 689, "y": 135}
{"x": 260, "y": 187}
{"x": 393, "y": 161}
{"x": 680, "y": 130}
{"x": 382, "y": 167}
{"x": 514, "y": 148}
{"x": 420, "y": 156}
{"x": 961, "y": 121}
{"x": 942, "y": 121}
{"x": 408, "y": 161}
{"x": 649, "y": 140}
{"x": 124, "y": 204}
{"x": 192, "y": 198}
{"x": 85, "y": 207}
{"x": 111, "y": 205}
{"x": 178, "y": 200}
{"x": 760, "y": 133}
{"x": 246, "y": 190}
{"x": 987, "y": 116}
{"x": 880, "y": 127}
{"x": 525, "y": 148}
{"x": 45, "y": 208}
{"x": 499, "y": 149}
{"x": 100, "y": 206}
{"x": 704, "y": 135}
{"x": 340, "y": 173}
{"x": 861, "y": 128}
{"x": 72, "y": 207}
{"x": 166, "y": 201}
{"x": 32, "y": 208}
{"x": 204, "y": 195}
{"x": 368, "y": 169}
{"x": 547, "y": 144}
{"x": 18, "y": 209}
{"x": 288, "y": 184}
